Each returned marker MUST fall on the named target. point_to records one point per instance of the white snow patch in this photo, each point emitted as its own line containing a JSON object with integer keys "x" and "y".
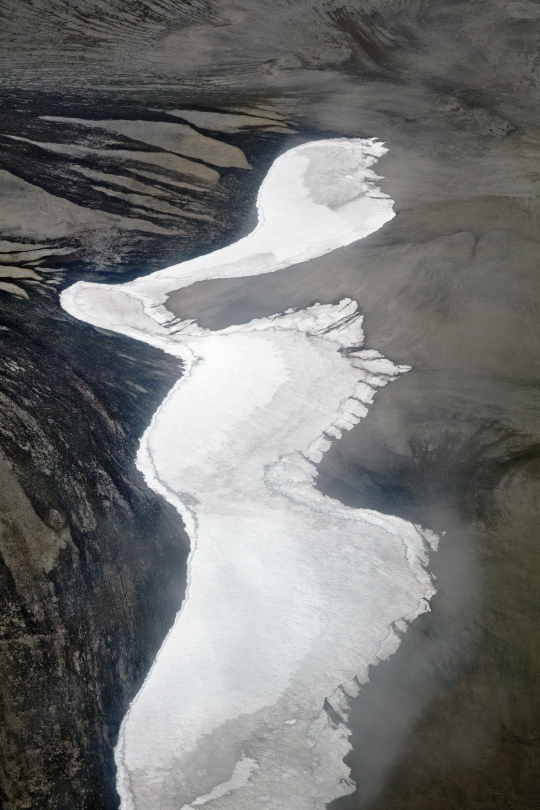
{"x": 291, "y": 595}
{"x": 242, "y": 771}
{"x": 295, "y": 224}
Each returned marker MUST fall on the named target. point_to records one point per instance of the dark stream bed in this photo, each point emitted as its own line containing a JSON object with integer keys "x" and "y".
{"x": 92, "y": 562}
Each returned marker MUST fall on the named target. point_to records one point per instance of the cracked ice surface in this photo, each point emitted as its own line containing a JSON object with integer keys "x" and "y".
{"x": 291, "y": 595}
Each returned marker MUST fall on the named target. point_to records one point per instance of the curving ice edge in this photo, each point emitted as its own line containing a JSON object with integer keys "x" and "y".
{"x": 335, "y": 202}
{"x": 291, "y": 595}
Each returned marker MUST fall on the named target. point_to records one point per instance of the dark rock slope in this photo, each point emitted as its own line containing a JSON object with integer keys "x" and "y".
{"x": 93, "y": 563}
